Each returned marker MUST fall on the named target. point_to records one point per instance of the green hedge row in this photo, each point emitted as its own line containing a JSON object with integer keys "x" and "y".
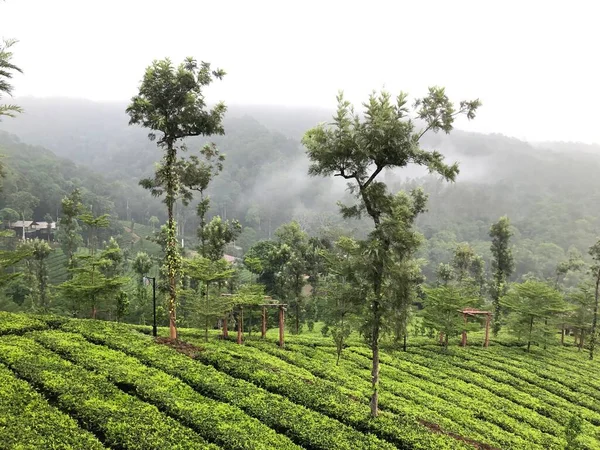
{"x": 303, "y": 388}
{"x": 28, "y": 422}
{"x": 553, "y": 394}
{"x": 552, "y": 373}
{"x": 439, "y": 375}
{"x": 118, "y": 419}
{"x": 473, "y": 418}
{"x": 218, "y": 422}
{"x": 402, "y": 398}
{"x": 308, "y": 428}
{"x": 552, "y": 404}
{"x": 11, "y": 323}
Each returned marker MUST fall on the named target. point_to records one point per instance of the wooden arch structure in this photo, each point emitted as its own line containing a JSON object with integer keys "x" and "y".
{"x": 263, "y": 329}
{"x": 474, "y": 313}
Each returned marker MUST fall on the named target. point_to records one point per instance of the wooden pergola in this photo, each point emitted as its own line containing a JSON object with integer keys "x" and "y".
{"x": 475, "y": 313}
{"x": 264, "y": 306}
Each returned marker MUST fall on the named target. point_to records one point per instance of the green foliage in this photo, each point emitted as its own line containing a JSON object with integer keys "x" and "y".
{"x": 217, "y": 422}
{"x": 18, "y": 323}
{"x": 502, "y": 265}
{"x": 122, "y": 420}
{"x": 595, "y": 254}
{"x": 580, "y": 318}
{"x": 572, "y": 432}
{"x": 28, "y": 421}
{"x": 216, "y": 235}
{"x": 68, "y": 234}
{"x": 170, "y": 101}
{"x": 442, "y": 306}
{"x": 37, "y": 266}
{"x": 535, "y": 310}
{"x": 305, "y": 426}
{"x": 359, "y": 150}
{"x": 7, "y": 70}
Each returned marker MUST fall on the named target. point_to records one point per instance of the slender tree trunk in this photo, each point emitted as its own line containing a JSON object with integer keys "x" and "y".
{"x": 595, "y": 318}
{"x": 404, "y": 344}
{"x": 530, "y": 331}
{"x": 171, "y": 251}
{"x": 497, "y": 309}
{"x": 581, "y": 337}
{"x": 375, "y": 367}
{"x": 297, "y": 314}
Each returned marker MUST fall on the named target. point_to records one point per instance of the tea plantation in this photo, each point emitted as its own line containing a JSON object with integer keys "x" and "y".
{"x": 85, "y": 384}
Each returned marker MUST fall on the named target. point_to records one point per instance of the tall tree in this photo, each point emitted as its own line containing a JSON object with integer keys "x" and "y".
{"x": 595, "y": 254}
{"x": 142, "y": 264}
{"x": 359, "y": 150}
{"x": 171, "y": 102}
{"x": 502, "y": 266}
{"x": 68, "y": 234}
{"x": 581, "y": 316}
{"x": 35, "y": 272}
{"x": 292, "y": 252}
{"x": 24, "y": 203}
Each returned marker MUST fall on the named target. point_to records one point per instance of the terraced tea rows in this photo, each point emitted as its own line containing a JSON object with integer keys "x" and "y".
{"x": 91, "y": 384}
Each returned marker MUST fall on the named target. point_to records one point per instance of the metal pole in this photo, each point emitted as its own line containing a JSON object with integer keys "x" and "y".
{"x": 281, "y": 325}
{"x": 154, "y": 329}
{"x": 486, "y": 343}
{"x": 463, "y": 342}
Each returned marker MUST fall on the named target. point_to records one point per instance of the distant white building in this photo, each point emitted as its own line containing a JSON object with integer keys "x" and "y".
{"x": 33, "y": 229}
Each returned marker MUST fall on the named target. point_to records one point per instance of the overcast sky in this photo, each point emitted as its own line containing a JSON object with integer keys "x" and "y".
{"x": 535, "y": 65}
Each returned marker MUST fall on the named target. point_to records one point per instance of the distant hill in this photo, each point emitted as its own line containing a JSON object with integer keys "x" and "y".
{"x": 550, "y": 191}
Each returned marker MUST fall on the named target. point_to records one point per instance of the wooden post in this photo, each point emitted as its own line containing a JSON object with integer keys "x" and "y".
{"x": 487, "y": 331}
{"x": 441, "y": 338}
{"x": 264, "y": 322}
{"x": 225, "y": 330}
{"x": 240, "y": 325}
{"x": 463, "y": 342}
{"x": 281, "y": 323}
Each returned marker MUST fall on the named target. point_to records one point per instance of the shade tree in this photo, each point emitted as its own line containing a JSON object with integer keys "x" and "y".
{"x": 171, "y": 103}
{"x": 359, "y": 149}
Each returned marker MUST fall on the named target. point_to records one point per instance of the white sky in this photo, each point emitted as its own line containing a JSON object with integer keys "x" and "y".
{"x": 534, "y": 64}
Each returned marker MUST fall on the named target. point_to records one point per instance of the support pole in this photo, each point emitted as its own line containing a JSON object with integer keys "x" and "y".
{"x": 463, "y": 342}
{"x": 154, "y": 328}
{"x": 281, "y": 323}
{"x": 225, "y": 330}
{"x": 240, "y": 325}
{"x": 264, "y": 322}
{"x": 487, "y": 331}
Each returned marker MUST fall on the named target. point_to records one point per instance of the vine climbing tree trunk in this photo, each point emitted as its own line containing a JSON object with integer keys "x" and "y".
{"x": 595, "y": 317}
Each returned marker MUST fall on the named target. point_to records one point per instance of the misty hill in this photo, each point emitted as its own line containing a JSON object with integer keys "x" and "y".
{"x": 550, "y": 190}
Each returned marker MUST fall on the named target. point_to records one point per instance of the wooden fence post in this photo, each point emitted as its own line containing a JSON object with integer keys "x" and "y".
{"x": 225, "y": 330}
{"x": 240, "y": 325}
{"x": 487, "y": 330}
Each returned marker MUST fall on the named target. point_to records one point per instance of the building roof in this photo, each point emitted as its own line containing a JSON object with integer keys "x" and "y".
{"x": 230, "y": 259}
{"x": 19, "y": 223}
{"x": 44, "y": 225}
